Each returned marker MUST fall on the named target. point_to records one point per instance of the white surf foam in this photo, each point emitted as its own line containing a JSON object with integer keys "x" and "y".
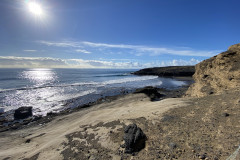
{"x": 131, "y": 79}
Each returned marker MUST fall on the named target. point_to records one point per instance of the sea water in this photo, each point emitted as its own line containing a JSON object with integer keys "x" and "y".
{"x": 53, "y": 90}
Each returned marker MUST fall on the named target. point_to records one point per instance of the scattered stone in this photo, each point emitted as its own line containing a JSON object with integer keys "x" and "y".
{"x": 225, "y": 114}
{"x": 172, "y": 145}
{"x": 22, "y": 113}
{"x": 28, "y": 141}
{"x": 202, "y": 156}
{"x": 134, "y": 138}
{"x": 51, "y": 114}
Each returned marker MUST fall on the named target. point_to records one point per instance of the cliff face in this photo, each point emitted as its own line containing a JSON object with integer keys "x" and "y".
{"x": 217, "y": 74}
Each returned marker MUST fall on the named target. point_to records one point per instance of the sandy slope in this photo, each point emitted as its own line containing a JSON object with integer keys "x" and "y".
{"x": 49, "y": 140}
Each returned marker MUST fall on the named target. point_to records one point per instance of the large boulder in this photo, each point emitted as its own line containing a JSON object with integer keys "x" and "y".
{"x": 22, "y": 113}
{"x": 217, "y": 74}
{"x": 134, "y": 138}
{"x": 151, "y": 92}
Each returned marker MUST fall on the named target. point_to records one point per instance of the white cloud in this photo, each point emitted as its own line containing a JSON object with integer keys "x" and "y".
{"x": 47, "y": 62}
{"x": 31, "y": 62}
{"x": 137, "y": 50}
{"x": 82, "y": 51}
{"x": 29, "y": 50}
{"x": 61, "y": 44}
{"x": 155, "y": 51}
{"x": 124, "y": 46}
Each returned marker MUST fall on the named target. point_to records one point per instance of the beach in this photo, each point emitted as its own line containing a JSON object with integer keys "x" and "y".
{"x": 200, "y": 121}
{"x": 195, "y": 125}
{"x": 46, "y": 137}
{"x": 50, "y": 140}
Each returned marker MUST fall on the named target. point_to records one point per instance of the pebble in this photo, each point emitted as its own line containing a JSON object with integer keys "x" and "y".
{"x": 28, "y": 141}
{"x": 225, "y": 114}
{"x": 203, "y": 156}
{"x": 172, "y": 145}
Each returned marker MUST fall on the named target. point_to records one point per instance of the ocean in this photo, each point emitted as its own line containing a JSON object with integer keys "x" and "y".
{"x": 53, "y": 90}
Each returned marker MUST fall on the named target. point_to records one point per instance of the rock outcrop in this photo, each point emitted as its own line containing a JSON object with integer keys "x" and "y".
{"x": 22, "y": 113}
{"x": 217, "y": 74}
{"x": 151, "y": 92}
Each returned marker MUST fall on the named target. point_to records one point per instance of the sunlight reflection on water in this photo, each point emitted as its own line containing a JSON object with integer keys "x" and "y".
{"x": 40, "y": 76}
{"x": 52, "y": 90}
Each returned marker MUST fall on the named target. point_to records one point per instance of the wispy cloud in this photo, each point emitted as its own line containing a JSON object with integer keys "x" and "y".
{"x": 48, "y": 62}
{"x": 137, "y": 50}
{"x": 30, "y": 62}
{"x": 155, "y": 51}
{"x": 82, "y": 51}
{"x": 61, "y": 44}
{"x": 29, "y": 50}
{"x": 123, "y": 46}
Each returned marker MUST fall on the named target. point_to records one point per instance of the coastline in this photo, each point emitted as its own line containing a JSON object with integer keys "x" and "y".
{"x": 29, "y": 127}
{"x": 176, "y": 127}
{"x": 101, "y": 120}
{"x": 36, "y": 120}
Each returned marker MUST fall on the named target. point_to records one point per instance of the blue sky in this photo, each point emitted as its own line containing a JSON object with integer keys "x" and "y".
{"x": 115, "y": 33}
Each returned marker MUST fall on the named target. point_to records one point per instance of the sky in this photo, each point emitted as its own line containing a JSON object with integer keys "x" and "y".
{"x": 115, "y": 33}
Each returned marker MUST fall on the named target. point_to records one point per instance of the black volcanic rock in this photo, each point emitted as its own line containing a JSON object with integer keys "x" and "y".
{"x": 22, "y": 113}
{"x": 151, "y": 92}
{"x": 134, "y": 138}
{"x": 176, "y": 71}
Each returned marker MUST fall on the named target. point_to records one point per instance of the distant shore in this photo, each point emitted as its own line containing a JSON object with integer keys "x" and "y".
{"x": 171, "y": 71}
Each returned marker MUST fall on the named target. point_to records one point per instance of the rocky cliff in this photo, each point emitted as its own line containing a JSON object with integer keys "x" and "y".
{"x": 217, "y": 74}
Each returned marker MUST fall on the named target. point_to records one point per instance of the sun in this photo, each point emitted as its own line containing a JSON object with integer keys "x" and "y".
{"x": 35, "y": 9}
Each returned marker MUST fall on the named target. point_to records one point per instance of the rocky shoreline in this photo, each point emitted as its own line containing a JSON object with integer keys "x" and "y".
{"x": 30, "y": 121}
{"x": 96, "y": 132}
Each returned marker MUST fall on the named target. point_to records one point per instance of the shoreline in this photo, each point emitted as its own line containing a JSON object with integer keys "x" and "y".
{"x": 51, "y": 139}
{"x": 36, "y": 120}
{"x": 175, "y": 127}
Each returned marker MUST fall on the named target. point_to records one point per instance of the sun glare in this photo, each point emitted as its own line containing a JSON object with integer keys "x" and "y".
{"x": 35, "y": 8}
